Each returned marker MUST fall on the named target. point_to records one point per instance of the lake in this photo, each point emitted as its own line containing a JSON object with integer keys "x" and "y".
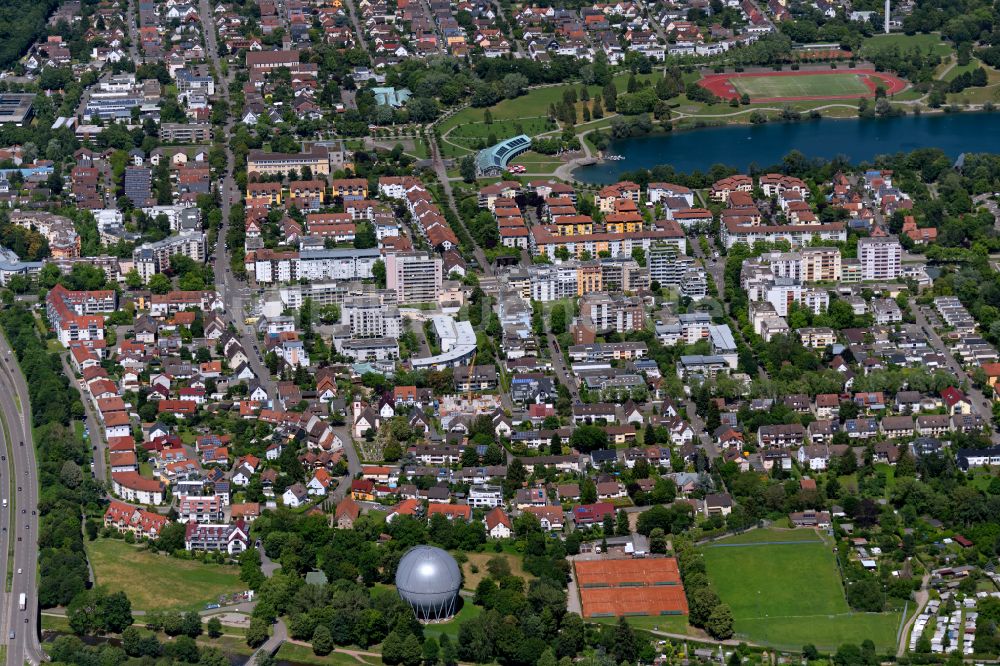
{"x": 766, "y": 145}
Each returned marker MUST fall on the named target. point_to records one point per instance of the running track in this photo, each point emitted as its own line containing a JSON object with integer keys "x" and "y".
{"x": 719, "y": 84}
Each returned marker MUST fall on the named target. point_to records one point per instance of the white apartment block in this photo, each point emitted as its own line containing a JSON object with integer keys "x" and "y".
{"x": 415, "y": 276}
{"x": 881, "y": 258}
{"x": 369, "y": 318}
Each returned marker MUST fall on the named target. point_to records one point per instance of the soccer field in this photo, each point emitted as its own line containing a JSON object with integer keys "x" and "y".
{"x": 806, "y": 85}
{"x": 785, "y": 589}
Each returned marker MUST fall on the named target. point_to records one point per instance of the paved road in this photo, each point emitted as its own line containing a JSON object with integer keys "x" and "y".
{"x": 442, "y": 174}
{"x": 132, "y": 21}
{"x": 980, "y": 404}
{"x": 232, "y": 291}
{"x": 97, "y": 437}
{"x": 559, "y": 366}
{"x": 16, "y": 407}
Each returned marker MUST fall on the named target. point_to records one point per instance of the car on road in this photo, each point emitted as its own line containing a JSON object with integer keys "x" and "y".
{"x": 11, "y": 634}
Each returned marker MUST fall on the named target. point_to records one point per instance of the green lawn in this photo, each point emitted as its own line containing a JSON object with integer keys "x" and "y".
{"x": 906, "y": 43}
{"x": 159, "y": 582}
{"x": 671, "y": 624}
{"x": 300, "y": 654}
{"x": 529, "y": 112}
{"x": 789, "y": 594}
{"x": 815, "y": 85}
{"x": 468, "y": 612}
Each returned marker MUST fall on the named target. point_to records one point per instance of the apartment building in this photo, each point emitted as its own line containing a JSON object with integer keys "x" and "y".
{"x": 368, "y": 317}
{"x": 820, "y": 264}
{"x": 139, "y": 186}
{"x": 152, "y": 258}
{"x": 316, "y": 159}
{"x": 415, "y": 276}
{"x": 881, "y": 258}
{"x": 606, "y": 312}
{"x": 185, "y": 132}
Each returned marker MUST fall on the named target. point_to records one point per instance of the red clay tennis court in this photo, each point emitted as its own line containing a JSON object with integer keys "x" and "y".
{"x": 645, "y": 586}
{"x": 798, "y": 86}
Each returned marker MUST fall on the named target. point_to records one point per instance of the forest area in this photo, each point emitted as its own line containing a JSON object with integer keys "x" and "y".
{"x": 21, "y": 24}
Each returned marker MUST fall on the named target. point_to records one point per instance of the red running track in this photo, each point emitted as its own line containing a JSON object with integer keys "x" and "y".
{"x": 720, "y": 86}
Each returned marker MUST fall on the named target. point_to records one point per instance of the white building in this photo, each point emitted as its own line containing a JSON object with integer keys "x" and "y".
{"x": 880, "y": 257}
{"x": 416, "y": 276}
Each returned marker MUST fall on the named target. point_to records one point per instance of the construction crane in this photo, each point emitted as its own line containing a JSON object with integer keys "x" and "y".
{"x": 472, "y": 369}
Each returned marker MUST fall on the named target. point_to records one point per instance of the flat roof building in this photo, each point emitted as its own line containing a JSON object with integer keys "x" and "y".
{"x": 15, "y": 108}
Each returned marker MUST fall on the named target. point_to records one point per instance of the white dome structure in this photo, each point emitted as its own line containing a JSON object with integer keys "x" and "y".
{"x": 428, "y": 579}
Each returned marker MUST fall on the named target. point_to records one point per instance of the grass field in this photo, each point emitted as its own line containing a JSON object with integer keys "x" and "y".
{"x": 159, "y": 582}
{"x": 468, "y": 612}
{"x": 471, "y": 580}
{"x": 906, "y": 43}
{"x": 784, "y": 588}
{"x": 769, "y": 87}
{"x": 300, "y": 654}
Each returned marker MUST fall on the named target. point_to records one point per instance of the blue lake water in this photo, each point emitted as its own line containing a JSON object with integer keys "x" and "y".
{"x": 766, "y": 145}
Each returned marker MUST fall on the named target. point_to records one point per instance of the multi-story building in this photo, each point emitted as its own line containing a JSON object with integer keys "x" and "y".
{"x": 623, "y": 274}
{"x": 317, "y": 160}
{"x": 881, "y": 258}
{"x": 139, "y": 185}
{"x": 185, "y": 132}
{"x": 545, "y": 240}
{"x": 59, "y": 231}
{"x": 232, "y": 539}
{"x": 415, "y": 276}
{"x": 271, "y": 266}
{"x": 551, "y": 282}
{"x": 201, "y": 509}
{"x": 668, "y": 266}
{"x": 485, "y": 496}
{"x": 152, "y": 258}
{"x": 369, "y": 317}
{"x": 345, "y": 264}
{"x": 820, "y": 264}
{"x": 76, "y": 315}
{"x": 612, "y": 312}
{"x": 589, "y": 277}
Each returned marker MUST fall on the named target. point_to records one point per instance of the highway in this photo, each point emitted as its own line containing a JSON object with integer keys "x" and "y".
{"x": 14, "y": 404}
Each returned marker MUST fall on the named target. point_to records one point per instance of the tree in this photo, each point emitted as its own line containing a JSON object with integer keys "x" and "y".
{"x": 701, "y": 604}
{"x": 467, "y": 167}
{"x": 401, "y": 647}
{"x": 171, "y": 538}
{"x": 184, "y": 649}
{"x": 257, "y": 632}
{"x": 449, "y": 653}
{"x": 720, "y": 622}
{"x": 322, "y": 640}
{"x": 625, "y": 646}
{"x": 557, "y": 319}
{"x": 214, "y": 627}
{"x": 905, "y": 464}
{"x": 555, "y": 446}
{"x": 116, "y": 613}
{"x": 621, "y": 524}
{"x": 587, "y": 438}
{"x": 430, "y": 651}
{"x": 191, "y": 625}
{"x": 658, "y": 541}
{"x": 133, "y": 280}
{"x": 132, "y": 642}
{"x": 378, "y": 273}
{"x": 159, "y": 284}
